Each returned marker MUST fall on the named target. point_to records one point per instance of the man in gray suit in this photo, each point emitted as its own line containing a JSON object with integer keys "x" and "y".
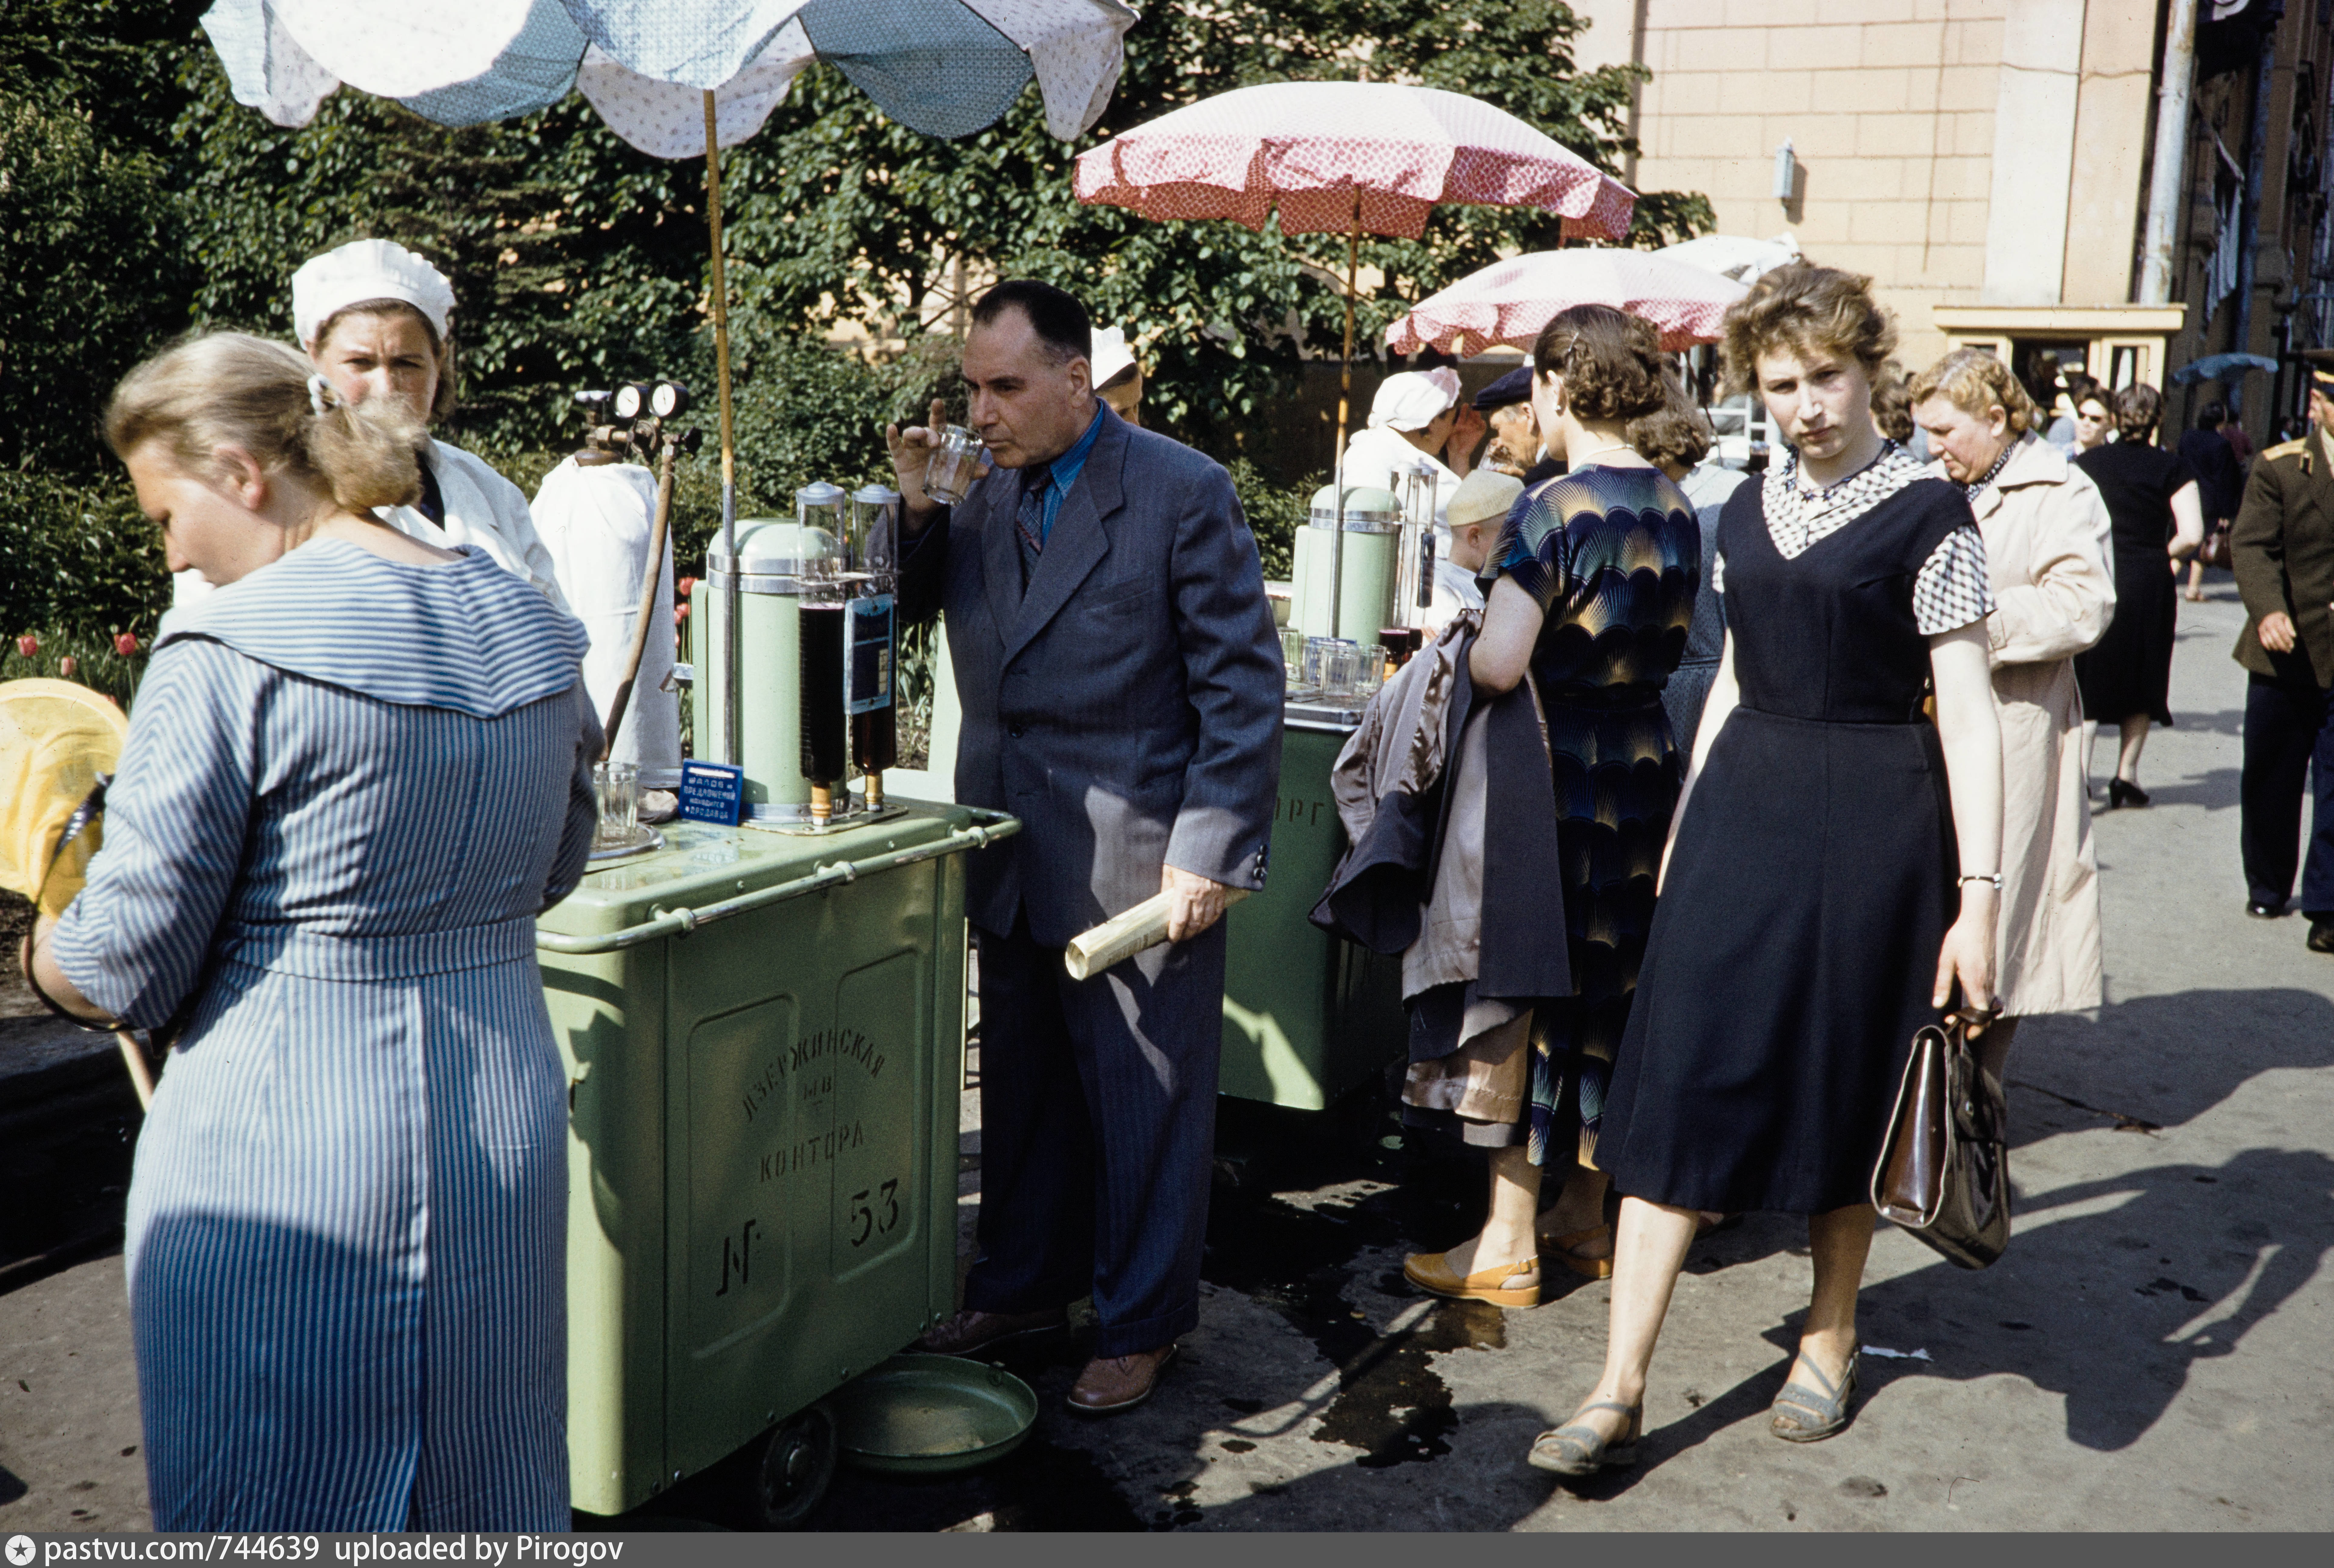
{"x": 1121, "y": 686}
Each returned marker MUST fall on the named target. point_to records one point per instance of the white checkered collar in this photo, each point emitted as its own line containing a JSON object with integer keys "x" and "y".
{"x": 1796, "y": 516}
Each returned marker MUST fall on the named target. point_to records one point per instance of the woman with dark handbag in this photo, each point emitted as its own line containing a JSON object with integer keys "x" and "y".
{"x": 2159, "y": 513}
{"x": 1833, "y": 869}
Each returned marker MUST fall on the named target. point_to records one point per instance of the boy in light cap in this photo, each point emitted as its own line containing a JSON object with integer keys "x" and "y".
{"x": 1478, "y": 511}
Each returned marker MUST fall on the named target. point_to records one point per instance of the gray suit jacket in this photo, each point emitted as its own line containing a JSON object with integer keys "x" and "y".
{"x": 1127, "y": 707}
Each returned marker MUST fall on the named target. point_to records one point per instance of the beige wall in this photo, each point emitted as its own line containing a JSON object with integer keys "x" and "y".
{"x": 2113, "y": 129}
{"x": 1890, "y": 107}
{"x": 1960, "y": 151}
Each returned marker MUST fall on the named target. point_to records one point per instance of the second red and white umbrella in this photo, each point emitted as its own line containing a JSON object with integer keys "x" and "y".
{"x": 1508, "y": 303}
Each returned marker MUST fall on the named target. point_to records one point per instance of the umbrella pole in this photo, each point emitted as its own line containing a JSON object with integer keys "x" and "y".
{"x": 726, "y": 678}
{"x": 1344, "y": 401}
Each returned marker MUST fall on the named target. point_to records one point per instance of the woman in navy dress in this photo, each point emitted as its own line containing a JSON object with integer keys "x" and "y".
{"x": 1590, "y": 591}
{"x": 1834, "y": 868}
{"x": 355, "y": 775}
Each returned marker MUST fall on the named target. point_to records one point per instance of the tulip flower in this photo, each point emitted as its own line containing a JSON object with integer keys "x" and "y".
{"x": 67, "y": 665}
{"x": 28, "y": 644}
{"x": 126, "y": 643}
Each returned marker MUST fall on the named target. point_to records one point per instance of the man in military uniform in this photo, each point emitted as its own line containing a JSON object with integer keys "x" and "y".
{"x": 2282, "y": 552}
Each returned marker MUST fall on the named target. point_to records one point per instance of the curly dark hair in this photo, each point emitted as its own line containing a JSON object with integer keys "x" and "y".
{"x": 1674, "y": 434}
{"x": 1803, "y": 306}
{"x": 1611, "y": 361}
{"x": 1892, "y": 402}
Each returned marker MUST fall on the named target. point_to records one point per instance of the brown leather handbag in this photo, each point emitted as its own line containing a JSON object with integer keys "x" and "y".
{"x": 1944, "y": 1170}
{"x": 2215, "y": 551}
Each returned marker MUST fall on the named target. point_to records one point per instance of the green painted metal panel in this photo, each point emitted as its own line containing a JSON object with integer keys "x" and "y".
{"x": 763, "y": 1201}
{"x": 1307, "y": 1016}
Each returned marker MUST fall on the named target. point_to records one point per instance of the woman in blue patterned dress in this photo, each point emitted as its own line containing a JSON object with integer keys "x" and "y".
{"x": 355, "y": 775}
{"x": 1591, "y": 591}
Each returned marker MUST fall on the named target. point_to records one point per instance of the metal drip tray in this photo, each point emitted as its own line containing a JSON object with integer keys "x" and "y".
{"x": 928, "y": 1415}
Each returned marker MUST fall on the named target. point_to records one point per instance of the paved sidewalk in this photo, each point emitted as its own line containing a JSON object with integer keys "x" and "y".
{"x": 2157, "y": 1351}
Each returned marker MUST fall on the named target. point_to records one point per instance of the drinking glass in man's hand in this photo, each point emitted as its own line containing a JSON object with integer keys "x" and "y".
{"x": 956, "y": 462}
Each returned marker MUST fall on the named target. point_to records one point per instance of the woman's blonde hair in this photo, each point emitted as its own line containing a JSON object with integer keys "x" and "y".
{"x": 1974, "y": 381}
{"x": 233, "y": 390}
{"x": 1675, "y": 432}
{"x": 442, "y": 350}
{"x": 1805, "y": 307}
{"x": 1611, "y": 361}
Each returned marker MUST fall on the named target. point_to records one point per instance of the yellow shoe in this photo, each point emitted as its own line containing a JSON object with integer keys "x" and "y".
{"x": 1590, "y": 1267}
{"x": 1510, "y": 1284}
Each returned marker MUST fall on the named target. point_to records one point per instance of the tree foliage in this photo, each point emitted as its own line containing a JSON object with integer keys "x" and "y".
{"x": 137, "y": 200}
{"x": 844, "y": 216}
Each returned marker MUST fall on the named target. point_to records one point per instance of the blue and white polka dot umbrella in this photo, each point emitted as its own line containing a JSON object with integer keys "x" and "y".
{"x": 678, "y": 78}
{"x": 943, "y": 67}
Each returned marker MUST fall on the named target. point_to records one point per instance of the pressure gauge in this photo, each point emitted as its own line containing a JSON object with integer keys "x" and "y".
{"x": 631, "y": 398}
{"x": 669, "y": 399}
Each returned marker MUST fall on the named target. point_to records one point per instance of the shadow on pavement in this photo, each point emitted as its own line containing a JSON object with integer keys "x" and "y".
{"x": 2110, "y": 1308}
{"x": 2158, "y": 1062}
{"x": 2113, "y": 1307}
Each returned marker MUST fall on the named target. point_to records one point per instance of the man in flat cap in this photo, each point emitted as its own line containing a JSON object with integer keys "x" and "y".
{"x": 1515, "y": 448}
{"x": 2282, "y": 552}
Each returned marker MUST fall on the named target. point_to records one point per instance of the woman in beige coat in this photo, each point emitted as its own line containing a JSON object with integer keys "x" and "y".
{"x": 2049, "y": 556}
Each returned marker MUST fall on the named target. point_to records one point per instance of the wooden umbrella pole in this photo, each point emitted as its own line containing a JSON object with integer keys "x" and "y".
{"x": 1344, "y": 401}
{"x": 726, "y": 678}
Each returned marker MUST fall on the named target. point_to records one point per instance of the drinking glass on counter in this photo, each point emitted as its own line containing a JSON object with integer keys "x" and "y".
{"x": 617, "y": 787}
{"x": 953, "y": 466}
{"x": 1292, "y": 654}
{"x": 1371, "y": 673}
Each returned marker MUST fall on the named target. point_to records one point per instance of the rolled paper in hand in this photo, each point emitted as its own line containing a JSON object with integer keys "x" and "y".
{"x": 1116, "y": 939}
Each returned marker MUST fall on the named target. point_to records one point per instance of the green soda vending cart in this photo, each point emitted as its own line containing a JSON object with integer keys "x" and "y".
{"x": 1308, "y": 1017}
{"x": 763, "y": 1034}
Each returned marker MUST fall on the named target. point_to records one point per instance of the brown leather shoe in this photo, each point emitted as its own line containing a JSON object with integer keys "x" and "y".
{"x": 970, "y": 1332}
{"x": 1113, "y": 1383}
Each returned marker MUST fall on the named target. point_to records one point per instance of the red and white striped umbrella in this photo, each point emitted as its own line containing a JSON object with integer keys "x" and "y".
{"x": 1335, "y": 156}
{"x": 1509, "y": 301}
{"x": 1350, "y": 157}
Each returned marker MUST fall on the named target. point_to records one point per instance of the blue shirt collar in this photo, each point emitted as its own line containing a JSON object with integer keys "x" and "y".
{"x": 1065, "y": 471}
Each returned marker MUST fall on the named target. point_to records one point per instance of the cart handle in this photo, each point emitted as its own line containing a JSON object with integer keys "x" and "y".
{"x": 987, "y": 828}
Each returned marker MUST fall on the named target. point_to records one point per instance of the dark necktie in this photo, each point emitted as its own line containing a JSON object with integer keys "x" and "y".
{"x": 1030, "y": 521}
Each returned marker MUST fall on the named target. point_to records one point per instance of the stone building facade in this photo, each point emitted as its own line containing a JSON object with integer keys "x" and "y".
{"x": 1990, "y": 163}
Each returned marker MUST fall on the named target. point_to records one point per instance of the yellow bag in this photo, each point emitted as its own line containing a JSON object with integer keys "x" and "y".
{"x": 57, "y": 738}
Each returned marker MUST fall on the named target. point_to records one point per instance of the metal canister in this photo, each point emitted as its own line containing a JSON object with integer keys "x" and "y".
{"x": 776, "y": 565}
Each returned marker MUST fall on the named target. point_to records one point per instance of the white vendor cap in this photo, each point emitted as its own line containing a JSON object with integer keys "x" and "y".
{"x": 1110, "y": 354}
{"x": 1411, "y": 399}
{"x": 367, "y": 269}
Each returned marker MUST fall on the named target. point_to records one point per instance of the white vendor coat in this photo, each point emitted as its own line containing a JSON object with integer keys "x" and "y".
{"x": 594, "y": 523}
{"x": 1379, "y": 456}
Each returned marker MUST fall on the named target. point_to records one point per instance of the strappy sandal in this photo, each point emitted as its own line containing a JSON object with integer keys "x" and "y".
{"x": 1580, "y": 1449}
{"x": 1830, "y": 1407}
{"x": 1591, "y": 1267}
{"x": 1507, "y": 1284}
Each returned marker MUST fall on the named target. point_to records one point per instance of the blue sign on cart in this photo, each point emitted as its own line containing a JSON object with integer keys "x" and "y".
{"x": 712, "y": 791}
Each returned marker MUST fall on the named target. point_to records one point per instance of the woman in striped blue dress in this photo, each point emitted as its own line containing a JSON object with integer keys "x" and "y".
{"x": 355, "y": 775}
